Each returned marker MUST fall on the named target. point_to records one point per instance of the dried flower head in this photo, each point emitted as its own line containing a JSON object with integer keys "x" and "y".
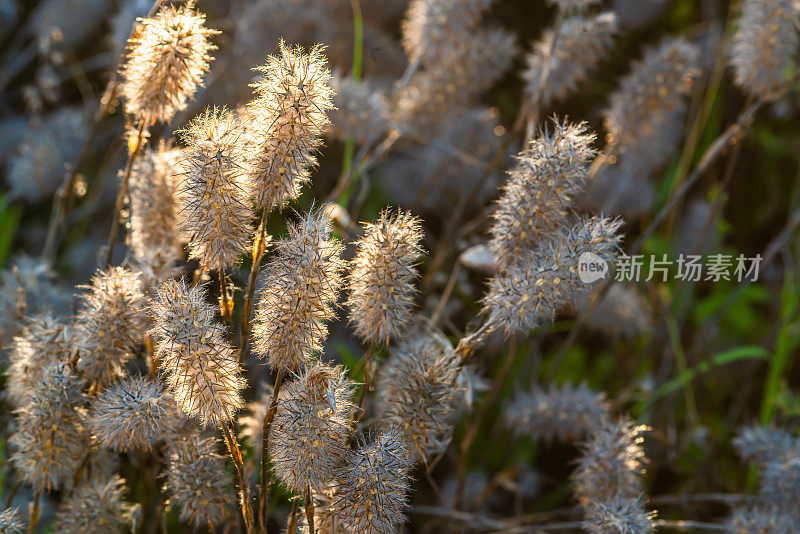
{"x": 111, "y": 323}
{"x": 167, "y": 58}
{"x": 382, "y": 276}
{"x": 420, "y": 393}
{"x": 535, "y": 200}
{"x": 130, "y": 414}
{"x": 370, "y": 491}
{"x": 546, "y": 280}
{"x": 96, "y": 507}
{"x": 763, "y": 444}
{"x": 611, "y": 464}
{"x": 198, "y": 363}
{"x": 566, "y": 413}
{"x": 291, "y": 114}
{"x": 362, "y": 111}
{"x": 761, "y": 519}
{"x": 50, "y": 442}
{"x": 765, "y": 45}
{"x": 298, "y": 293}
{"x": 557, "y": 65}
{"x": 43, "y": 340}
{"x": 432, "y": 28}
{"x": 153, "y": 219}
{"x": 621, "y": 515}
{"x": 652, "y": 91}
{"x": 10, "y": 522}
{"x": 214, "y": 196}
{"x": 196, "y": 481}
{"x": 312, "y": 427}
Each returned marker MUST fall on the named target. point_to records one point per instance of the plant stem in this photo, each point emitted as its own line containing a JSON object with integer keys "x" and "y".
{"x": 227, "y": 307}
{"x": 247, "y": 309}
{"x": 263, "y": 497}
{"x": 241, "y": 479}
{"x": 309, "y": 502}
{"x": 34, "y": 511}
{"x": 369, "y": 359}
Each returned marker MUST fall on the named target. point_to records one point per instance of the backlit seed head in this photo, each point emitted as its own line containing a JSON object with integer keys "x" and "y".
{"x": 420, "y": 392}
{"x": 10, "y": 522}
{"x": 382, "y": 276}
{"x": 167, "y": 58}
{"x": 298, "y": 293}
{"x": 214, "y": 196}
{"x": 181, "y": 316}
{"x": 312, "y": 427}
{"x": 196, "y": 481}
{"x": 361, "y": 112}
{"x": 96, "y": 507}
{"x": 621, "y": 515}
{"x": 290, "y": 116}
{"x": 130, "y": 414}
{"x": 370, "y": 490}
{"x": 111, "y": 323}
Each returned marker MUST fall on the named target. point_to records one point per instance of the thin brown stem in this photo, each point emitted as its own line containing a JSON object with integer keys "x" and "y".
{"x": 309, "y": 502}
{"x": 369, "y": 362}
{"x": 263, "y": 496}
{"x": 259, "y": 246}
{"x": 241, "y": 479}
{"x": 226, "y": 305}
{"x": 34, "y": 512}
{"x": 291, "y": 524}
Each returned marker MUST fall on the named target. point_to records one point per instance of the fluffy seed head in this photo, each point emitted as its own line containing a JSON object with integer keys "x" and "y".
{"x": 196, "y": 481}
{"x": 181, "y": 315}
{"x": 214, "y": 196}
{"x": 546, "y": 280}
{"x": 371, "y": 489}
{"x": 763, "y": 444}
{"x": 290, "y": 114}
{"x": 153, "y": 236}
{"x": 362, "y": 112}
{"x": 382, "y": 276}
{"x": 312, "y": 427}
{"x": 765, "y": 45}
{"x": 565, "y": 413}
{"x": 167, "y": 58}
{"x": 130, "y": 414}
{"x": 766, "y": 519}
{"x": 10, "y": 522}
{"x": 618, "y": 516}
{"x": 653, "y": 90}
{"x": 581, "y": 45}
{"x": 111, "y": 322}
{"x": 535, "y": 200}
{"x": 420, "y": 393}
{"x": 96, "y": 507}
{"x": 298, "y": 293}
{"x": 611, "y": 464}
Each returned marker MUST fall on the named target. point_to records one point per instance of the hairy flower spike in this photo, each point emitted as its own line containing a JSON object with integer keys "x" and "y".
{"x": 652, "y": 91}
{"x": 545, "y": 281}
{"x": 766, "y": 519}
{"x": 291, "y": 115}
{"x": 167, "y": 58}
{"x": 130, "y": 414}
{"x": 382, "y": 276}
{"x": 111, "y": 323}
{"x": 96, "y": 507}
{"x": 196, "y": 481}
{"x": 361, "y": 111}
{"x": 765, "y": 45}
{"x": 199, "y": 365}
{"x": 10, "y": 523}
{"x": 312, "y": 427}
{"x": 420, "y": 392}
{"x": 618, "y": 516}
{"x": 540, "y": 189}
{"x": 370, "y": 491}
{"x": 153, "y": 237}
{"x": 581, "y": 45}
{"x": 214, "y": 195}
{"x": 298, "y": 293}
{"x": 565, "y": 413}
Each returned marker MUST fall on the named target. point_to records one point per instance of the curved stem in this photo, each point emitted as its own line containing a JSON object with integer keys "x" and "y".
{"x": 263, "y": 496}
{"x": 241, "y": 479}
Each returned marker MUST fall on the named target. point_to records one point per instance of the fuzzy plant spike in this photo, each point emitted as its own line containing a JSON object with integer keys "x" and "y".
{"x": 621, "y": 515}
{"x": 199, "y": 365}
{"x": 557, "y": 65}
{"x": 130, "y": 414}
{"x": 765, "y": 518}
{"x": 764, "y": 50}
{"x": 50, "y": 441}
{"x": 546, "y": 280}
{"x": 361, "y": 111}
{"x": 290, "y": 115}
{"x": 566, "y": 413}
{"x": 312, "y": 428}
{"x": 111, "y": 323}
{"x": 540, "y": 190}
{"x": 420, "y": 392}
{"x": 10, "y": 522}
{"x": 96, "y": 507}
{"x": 168, "y": 56}
{"x": 762, "y": 444}
{"x": 153, "y": 219}
{"x": 298, "y": 293}
{"x": 196, "y": 481}
{"x": 371, "y": 489}
{"x": 214, "y": 195}
{"x": 382, "y": 276}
